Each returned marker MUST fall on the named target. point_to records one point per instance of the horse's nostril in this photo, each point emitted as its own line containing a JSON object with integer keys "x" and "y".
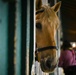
{"x": 48, "y": 64}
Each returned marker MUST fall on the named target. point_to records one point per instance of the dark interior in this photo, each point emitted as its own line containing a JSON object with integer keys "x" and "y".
{"x": 68, "y": 20}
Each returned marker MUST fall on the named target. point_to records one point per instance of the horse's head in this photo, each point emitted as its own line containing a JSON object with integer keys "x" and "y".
{"x": 47, "y": 23}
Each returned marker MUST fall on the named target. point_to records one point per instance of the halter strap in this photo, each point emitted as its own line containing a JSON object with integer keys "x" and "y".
{"x": 45, "y": 48}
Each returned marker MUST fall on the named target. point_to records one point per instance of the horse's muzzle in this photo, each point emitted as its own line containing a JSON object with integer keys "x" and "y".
{"x": 47, "y": 65}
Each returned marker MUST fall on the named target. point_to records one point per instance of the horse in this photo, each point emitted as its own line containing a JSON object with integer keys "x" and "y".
{"x": 47, "y": 23}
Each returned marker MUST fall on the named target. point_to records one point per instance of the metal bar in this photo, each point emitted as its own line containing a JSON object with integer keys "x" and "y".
{"x": 23, "y": 35}
{"x": 17, "y": 45}
{"x": 31, "y": 35}
{"x": 11, "y": 34}
{"x": 58, "y": 38}
{"x": 28, "y": 38}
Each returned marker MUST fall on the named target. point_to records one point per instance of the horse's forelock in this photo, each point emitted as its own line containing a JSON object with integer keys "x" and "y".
{"x": 50, "y": 15}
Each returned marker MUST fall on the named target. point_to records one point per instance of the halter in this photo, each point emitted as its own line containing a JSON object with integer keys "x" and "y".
{"x": 43, "y": 49}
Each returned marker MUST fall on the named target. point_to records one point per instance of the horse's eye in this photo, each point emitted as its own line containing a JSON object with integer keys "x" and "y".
{"x": 38, "y": 26}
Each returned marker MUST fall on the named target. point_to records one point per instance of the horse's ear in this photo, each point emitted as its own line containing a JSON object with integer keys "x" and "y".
{"x": 38, "y": 4}
{"x": 57, "y": 6}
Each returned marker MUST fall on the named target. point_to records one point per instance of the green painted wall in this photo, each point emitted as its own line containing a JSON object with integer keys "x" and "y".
{"x": 18, "y": 35}
{"x": 3, "y": 37}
